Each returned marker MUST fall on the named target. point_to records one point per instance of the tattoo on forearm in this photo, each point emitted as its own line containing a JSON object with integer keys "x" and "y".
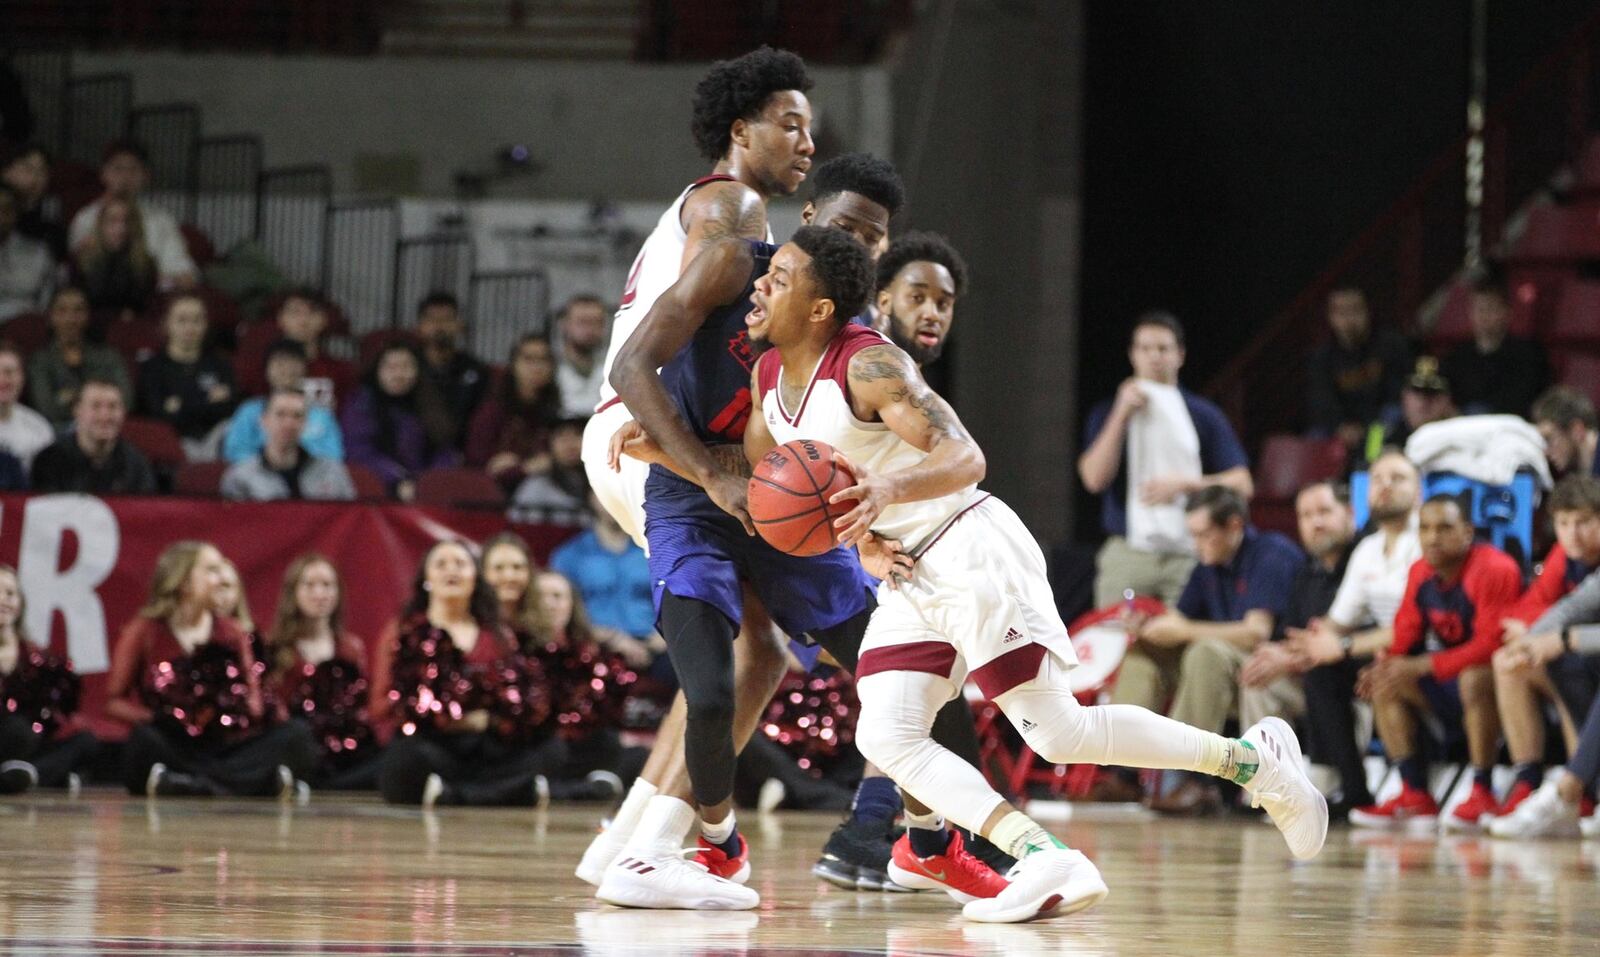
{"x": 731, "y": 459}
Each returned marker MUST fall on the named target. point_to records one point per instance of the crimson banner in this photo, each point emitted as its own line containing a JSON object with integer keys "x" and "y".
{"x": 85, "y": 563}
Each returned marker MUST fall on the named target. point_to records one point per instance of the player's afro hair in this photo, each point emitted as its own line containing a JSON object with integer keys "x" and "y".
{"x": 861, "y": 173}
{"x": 840, "y": 267}
{"x": 737, "y": 89}
{"x": 921, "y": 247}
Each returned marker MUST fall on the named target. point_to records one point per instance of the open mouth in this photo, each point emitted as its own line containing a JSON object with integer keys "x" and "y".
{"x": 927, "y": 337}
{"x": 755, "y": 316}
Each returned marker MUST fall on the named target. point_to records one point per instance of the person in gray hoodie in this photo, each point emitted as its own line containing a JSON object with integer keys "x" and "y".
{"x": 283, "y": 469}
{"x": 1566, "y": 638}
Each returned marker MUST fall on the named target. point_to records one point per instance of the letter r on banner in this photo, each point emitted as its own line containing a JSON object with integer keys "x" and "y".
{"x": 50, "y": 588}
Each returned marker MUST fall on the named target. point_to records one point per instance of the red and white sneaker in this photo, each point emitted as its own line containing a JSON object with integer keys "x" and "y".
{"x": 956, "y": 871}
{"x": 1410, "y": 805}
{"x": 713, "y": 859}
{"x": 1469, "y": 815}
{"x": 1519, "y": 792}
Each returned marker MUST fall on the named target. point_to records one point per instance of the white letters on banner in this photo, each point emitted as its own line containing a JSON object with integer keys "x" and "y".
{"x": 50, "y": 588}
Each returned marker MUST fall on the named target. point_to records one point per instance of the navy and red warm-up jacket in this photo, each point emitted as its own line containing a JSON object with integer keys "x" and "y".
{"x": 1457, "y": 621}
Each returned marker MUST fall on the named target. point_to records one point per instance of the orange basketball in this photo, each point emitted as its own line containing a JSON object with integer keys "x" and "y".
{"x": 789, "y": 495}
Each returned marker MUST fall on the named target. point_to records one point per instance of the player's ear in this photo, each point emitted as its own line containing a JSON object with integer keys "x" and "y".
{"x": 884, "y": 299}
{"x": 809, "y": 213}
{"x": 739, "y": 133}
{"x": 821, "y": 310}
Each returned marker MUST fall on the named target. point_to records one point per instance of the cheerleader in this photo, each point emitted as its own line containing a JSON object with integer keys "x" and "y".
{"x": 39, "y": 746}
{"x": 185, "y": 679}
{"x": 589, "y": 686}
{"x": 466, "y": 711}
{"x": 316, "y": 671}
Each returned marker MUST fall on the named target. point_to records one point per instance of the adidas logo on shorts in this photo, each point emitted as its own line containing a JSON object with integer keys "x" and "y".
{"x": 1028, "y": 725}
{"x": 1012, "y": 635}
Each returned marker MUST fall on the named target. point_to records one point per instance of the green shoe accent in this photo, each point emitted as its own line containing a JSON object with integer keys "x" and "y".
{"x": 1243, "y": 772}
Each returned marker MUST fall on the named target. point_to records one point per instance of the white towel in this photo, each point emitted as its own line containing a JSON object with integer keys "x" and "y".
{"x": 1161, "y": 441}
{"x": 1484, "y": 448}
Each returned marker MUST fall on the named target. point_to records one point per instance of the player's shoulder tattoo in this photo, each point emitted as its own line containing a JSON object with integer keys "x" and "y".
{"x": 878, "y": 363}
{"x": 731, "y": 215}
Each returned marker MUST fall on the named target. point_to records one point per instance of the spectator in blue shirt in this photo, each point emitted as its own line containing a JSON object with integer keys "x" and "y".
{"x": 1192, "y": 653}
{"x": 285, "y": 369}
{"x": 613, "y": 576}
{"x": 1149, "y": 564}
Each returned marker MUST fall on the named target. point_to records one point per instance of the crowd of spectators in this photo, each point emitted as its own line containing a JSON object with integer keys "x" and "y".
{"x": 114, "y": 297}
{"x": 1410, "y": 636}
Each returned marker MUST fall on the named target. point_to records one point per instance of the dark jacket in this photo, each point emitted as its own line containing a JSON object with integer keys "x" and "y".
{"x": 64, "y": 468}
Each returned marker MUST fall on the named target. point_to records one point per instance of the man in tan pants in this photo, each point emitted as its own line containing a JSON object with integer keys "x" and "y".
{"x": 1192, "y": 654}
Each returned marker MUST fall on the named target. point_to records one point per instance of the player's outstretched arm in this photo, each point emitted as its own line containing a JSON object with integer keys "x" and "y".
{"x": 715, "y": 279}
{"x": 718, "y": 213}
{"x": 885, "y": 384}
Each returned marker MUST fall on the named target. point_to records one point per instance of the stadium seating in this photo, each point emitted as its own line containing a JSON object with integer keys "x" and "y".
{"x": 1285, "y": 465}
{"x": 157, "y": 440}
{"x": 459, "y": 488}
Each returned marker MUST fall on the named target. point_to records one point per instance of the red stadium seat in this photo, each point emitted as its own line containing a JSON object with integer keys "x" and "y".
{"x": 198, "y": 245}
{"x": 136, "y": 340}
{"x": 369, "y": 488}
{"x": 157, "y": 440}
{"x": 1559, "y": 234}
{"x": 1287, "y": 464}
{"x": 460, "y": 488}
{"x": 1577, "y": 316}
{"x": 199, "y": 479}
{"x": 1580, "y": 371}
{"x": 377, "y": 340}
{"x": 28, "y": 332}
{"x": 1586, "y": 178}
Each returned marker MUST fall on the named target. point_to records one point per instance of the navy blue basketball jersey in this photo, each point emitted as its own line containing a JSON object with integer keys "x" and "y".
{"x": 709, "y": 382}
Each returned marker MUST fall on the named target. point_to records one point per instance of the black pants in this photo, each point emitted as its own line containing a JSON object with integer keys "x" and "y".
{"x": 1331, "y": 725}
{"x": 53, "y": 759}
{"x": 600, "y": 750}
{"x": 248, "y": 768}
{"x": 478, "y": 769}
{"x": 358, "y": 773}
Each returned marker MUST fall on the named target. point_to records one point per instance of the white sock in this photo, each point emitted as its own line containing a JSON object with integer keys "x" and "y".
{"x": 932, "y": 821}
{"x": 662, "y": 826}
{"x": 717, "y": 834}
{"x": 627, "y": 816}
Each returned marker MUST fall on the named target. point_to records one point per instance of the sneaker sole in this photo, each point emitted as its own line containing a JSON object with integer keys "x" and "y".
{"x": 648, "y": 898}
{"x": 1079, "y": 895}
{"x": 1457, "y": 825}
{"x": 911, "y": 880}
{"x": 1410, "y": 822}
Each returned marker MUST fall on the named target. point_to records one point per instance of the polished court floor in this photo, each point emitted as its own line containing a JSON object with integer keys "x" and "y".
{"x": 107, "y": 874}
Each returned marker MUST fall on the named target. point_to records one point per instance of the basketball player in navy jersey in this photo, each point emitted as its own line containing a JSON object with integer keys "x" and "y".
{"x": 753, "y": 122}
{"x": 702, "y": 555}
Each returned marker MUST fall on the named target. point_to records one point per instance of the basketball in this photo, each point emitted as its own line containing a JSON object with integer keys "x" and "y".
{"x": 789, "y": 495}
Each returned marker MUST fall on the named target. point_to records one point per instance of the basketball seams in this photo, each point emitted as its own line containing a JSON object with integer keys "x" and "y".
{"x": 796, "y": 451}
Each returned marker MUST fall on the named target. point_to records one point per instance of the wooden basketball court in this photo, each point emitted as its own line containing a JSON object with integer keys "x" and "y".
{"x": 108, "y": 874}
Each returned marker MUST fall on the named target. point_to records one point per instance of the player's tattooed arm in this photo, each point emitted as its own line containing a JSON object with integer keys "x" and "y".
{"x": 885, "y": 384}
{"x": 723, "y": 212}
{"x": 716, "y": 278}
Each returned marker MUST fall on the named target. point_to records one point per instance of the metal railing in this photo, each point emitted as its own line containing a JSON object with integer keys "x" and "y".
{"x": 504, "y": 307}
{"x": 291, "y": 219}
{"x": 358, "y": 266}
{"x": 431, "y": 264}
{"x": 227, "y": 172}
{"x": 169, "y": 135}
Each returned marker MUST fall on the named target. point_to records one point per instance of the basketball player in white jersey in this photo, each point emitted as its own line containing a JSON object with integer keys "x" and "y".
{"x": 976, "y": 603}
{"x": 753, "y": 121}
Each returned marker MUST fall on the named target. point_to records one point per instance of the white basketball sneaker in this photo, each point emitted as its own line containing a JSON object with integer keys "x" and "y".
{"x": 663, "y": 880}
{"x": 1541, "y": 814}
{"x": 1282, "y": 787}
{"x": 1058, "y": 881}
{"x": 606, "y": 847}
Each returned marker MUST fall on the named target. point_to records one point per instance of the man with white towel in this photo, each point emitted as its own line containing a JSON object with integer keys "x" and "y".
{"x": 1144, "y": 453}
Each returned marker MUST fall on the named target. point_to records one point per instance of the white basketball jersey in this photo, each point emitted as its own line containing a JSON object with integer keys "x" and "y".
{"x": 656, "y": 267}
{"x": 825, "y": 415}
